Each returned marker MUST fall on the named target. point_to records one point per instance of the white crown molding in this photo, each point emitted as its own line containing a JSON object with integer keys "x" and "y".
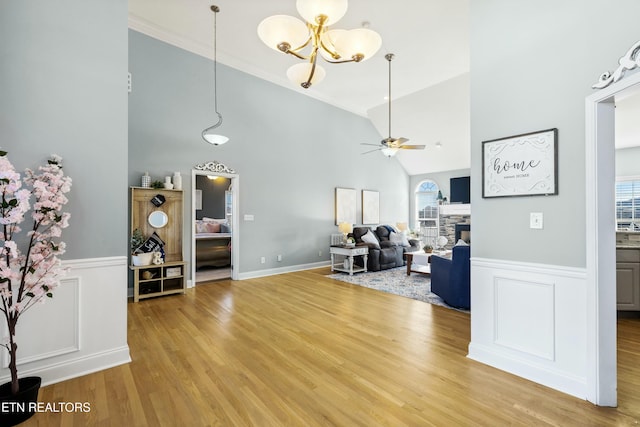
{"x": 152, "y": 30}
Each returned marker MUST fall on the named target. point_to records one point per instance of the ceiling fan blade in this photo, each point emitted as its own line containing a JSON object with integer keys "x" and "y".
{"x": 371, "y": 151}
{"x": 411, "y": 147}
{"x": 401, "y": 140}
{"x": 373, "y": 145}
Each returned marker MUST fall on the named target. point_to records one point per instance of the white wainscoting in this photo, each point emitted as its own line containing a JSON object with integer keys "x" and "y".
{"x": 530, "y": 320}
{"x": 82, "y": 329}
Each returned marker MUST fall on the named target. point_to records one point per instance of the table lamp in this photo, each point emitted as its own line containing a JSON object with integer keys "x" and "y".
{"x": 401, "y": 226}
{"x": 345, "y": 228}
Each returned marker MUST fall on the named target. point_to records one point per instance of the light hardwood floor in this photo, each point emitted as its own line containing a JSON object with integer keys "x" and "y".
{"x": 300, "y": 349}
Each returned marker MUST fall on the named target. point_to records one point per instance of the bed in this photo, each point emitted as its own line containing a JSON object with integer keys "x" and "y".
{"x": 213, "y": 243}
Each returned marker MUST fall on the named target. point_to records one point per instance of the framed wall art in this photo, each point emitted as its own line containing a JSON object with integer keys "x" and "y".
{"x": 521, "y": 165}
{"x": 370, "y": 207}
{"x": 345, "y": 205}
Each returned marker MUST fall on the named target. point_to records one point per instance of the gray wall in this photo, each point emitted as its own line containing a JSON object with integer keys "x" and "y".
{"x": 63, "y": 80}
{"x": 290, "y": 151}
{"x": 532, "y": 65}
{"x": 628, "y": 162}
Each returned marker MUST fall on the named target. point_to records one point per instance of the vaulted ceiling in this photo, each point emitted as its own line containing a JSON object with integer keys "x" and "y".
{"x": 430, "y": 87}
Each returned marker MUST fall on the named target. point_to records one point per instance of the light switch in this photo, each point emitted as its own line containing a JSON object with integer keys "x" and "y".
{"x": 535, "y": 220}
{"x": 248, "y": 217}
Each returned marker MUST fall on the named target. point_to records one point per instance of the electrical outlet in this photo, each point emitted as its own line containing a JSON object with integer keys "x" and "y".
{"x": 279, "y": 258}
{"x": 319, "y": 253}
{"x": 263, "y": 260}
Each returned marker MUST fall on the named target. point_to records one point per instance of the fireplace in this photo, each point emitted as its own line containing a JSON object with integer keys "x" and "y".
{"x": 463, "y": 231}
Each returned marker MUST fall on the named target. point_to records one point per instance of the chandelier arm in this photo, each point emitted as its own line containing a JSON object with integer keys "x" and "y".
{"x": 286, "y": 48}
{"x": 296, "y": 54}
{"x": 343, "y": 61}
{"x": 334, "y": 55}
{"x": 313, "y": 57}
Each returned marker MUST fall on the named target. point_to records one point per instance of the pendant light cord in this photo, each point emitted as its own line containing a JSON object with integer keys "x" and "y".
{"x": 215, "y": 10}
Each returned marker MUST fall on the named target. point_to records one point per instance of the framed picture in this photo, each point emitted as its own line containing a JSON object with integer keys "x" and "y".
{"x": 370, "y": 207}
{"x": 345, "y": 205}
{"x": 521, "y": 165}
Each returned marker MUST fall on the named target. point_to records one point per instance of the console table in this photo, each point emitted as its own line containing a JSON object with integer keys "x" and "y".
{"x": 347, "y": 265}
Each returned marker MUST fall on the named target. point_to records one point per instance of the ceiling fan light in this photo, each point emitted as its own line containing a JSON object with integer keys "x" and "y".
{"x": 278, "y": 29}
{"x": 334, "y": 10}
{"x": 299, "y": 73}
{"x": 359, "y": 41}
{"x": 389, "y": 152}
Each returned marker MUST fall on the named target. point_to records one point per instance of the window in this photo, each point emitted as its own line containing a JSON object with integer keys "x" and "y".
{"x": 427, "y": 211}
{"x": 628, "y": 205}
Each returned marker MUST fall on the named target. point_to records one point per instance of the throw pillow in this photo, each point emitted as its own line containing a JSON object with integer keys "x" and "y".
{"x": 370, "y": 238}
{"x": 200, "y": 226}
{"x": 461, "y": 242}
{"x": 224, "y": 228}
{"x": 153, "y": 243}
{"x": 399, "y": 239}
{"x": 212, "y": 227}
{"x": 218, "y": 220}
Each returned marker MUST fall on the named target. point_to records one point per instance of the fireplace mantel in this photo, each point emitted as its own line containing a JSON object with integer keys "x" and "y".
{"x": 455, "y": 209}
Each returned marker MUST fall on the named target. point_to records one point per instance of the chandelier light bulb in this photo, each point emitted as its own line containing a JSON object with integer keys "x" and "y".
{"x": 278, "y": 29}
{"x": 360, "y": 42}
{"x": 299, "y": 73}
{"x": 333, "y": 10}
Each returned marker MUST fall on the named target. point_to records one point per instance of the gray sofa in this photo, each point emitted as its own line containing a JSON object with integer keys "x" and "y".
{"x": 383, "y": 255}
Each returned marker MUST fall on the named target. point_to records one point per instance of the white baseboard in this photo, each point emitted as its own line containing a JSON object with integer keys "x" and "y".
{"x": 530, "y": 320}
{"x": 74, "y": 368}
{"x": 282, "y": 270}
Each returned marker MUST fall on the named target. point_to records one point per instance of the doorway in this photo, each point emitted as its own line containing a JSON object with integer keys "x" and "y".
{"x": 600, "y": 239}
{"x": 214, "y": 226}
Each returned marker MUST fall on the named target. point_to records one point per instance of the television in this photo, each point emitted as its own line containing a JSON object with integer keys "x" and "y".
{"x": 460, "y": 189}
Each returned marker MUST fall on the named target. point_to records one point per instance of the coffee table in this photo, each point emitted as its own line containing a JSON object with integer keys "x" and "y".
{"x": 424, "y": 266}
{"x": 347, "y": 265}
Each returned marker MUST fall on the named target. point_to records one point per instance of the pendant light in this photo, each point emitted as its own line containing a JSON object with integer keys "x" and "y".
{"x": 208, "y": 134}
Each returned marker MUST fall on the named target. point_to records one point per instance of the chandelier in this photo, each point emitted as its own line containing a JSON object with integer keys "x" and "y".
{"x": 292, "y": 36}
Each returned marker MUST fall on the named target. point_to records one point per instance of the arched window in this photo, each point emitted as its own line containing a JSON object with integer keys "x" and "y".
{"x": 427, "y": 211}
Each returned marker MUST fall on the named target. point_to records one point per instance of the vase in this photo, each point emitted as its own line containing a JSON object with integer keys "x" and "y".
{"x": 177, "y": 181}
{"x": 21, "y": 407}
{"x": 146, "y": 180}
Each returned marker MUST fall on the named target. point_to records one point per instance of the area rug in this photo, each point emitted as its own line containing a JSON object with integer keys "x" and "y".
{"x": 395, "y": 281}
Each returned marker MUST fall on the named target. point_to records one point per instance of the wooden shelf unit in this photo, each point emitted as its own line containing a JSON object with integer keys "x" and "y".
{"x": 160, "y": 284}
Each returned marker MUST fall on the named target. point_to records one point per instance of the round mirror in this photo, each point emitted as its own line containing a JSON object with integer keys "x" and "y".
{"x": 158, "y": 219}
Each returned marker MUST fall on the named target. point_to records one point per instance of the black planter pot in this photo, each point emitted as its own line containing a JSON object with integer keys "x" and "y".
{"x": 16, "y": 409}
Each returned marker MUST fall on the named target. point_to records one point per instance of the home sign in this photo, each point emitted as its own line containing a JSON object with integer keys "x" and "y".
{"x": 521, "y": 165}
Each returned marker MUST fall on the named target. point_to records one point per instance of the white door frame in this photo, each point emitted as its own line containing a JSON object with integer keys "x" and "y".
{"x": 235, "y": 229}
{"x": 600, "y": 240}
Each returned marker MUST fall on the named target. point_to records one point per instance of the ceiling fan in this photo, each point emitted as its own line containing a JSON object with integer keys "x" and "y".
{"x": 390, "y": 146}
